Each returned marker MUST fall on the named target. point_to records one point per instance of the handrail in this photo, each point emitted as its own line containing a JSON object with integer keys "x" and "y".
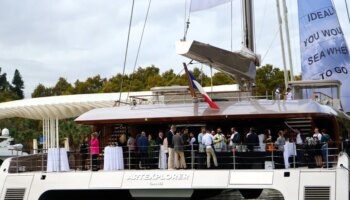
{"x": 173, "y": 96}
{"x": 229, "y": 158}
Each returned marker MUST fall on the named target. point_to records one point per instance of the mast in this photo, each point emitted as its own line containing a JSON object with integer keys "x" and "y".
{"x": 248, "y": 24}
{"x": 285, "y": 13}
{"x": 282, "y": 43}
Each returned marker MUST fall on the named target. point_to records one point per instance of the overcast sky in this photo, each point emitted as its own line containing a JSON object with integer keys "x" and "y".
{"x": 48, "y": 39}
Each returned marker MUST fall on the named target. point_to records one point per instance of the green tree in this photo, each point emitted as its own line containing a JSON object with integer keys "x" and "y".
{"x": 42, "y": 91}
{"x": 4, "y": 84}
{"x": 62, "y": 87}
{"x": 91, "y": 85}
{"x": 113, "y": 84}
{"x": 5, "y": 89}
{"x": 75, "y": 132}
{"x": 18, "y": 85}
{"x": 169, "y": 77}
{"x": 220, "y": 78}
{"x": 268, "y": 78}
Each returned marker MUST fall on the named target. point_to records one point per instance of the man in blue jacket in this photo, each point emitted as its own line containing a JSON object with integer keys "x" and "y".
{"x": 142, "y": 146}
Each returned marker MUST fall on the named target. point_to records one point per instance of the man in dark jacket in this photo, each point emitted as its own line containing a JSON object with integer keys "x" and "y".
{"x": 160, "y": 138}
{"x": 252, "y": 139}
{"x": 142, "y": 147}
{"x": 169, "y": 136}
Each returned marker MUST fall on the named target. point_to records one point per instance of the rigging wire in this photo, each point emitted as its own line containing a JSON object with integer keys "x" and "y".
{"x": 185, "y": 17}
{"x": 139, "y": 47}
{"x": 347, "y": 9}
{"x": 242, "y": 24}
{"x": 231, "y": 9}
{"x": 267, "y": 51}
{"x": 126, "y": 50}
{"x": 186, "y": 23}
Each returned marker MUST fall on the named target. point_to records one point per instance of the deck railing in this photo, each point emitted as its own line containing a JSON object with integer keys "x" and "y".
{"x": 186, "y": 97}
{"x": 128, "y": 158}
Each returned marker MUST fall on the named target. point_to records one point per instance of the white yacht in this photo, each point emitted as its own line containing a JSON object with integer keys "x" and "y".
{"x": 116, "y": 173}
{"x": 7, "y": 146}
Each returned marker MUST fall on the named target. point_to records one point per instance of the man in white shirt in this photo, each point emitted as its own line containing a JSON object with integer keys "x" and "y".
{"x": 207, "y": 141}
{"x": 200, "y": 136}
{"x": 289, "y": 94}
{"x": 300, "y": 148}
{"x": 278, "y": 93}
{"x": 317, "y": 135}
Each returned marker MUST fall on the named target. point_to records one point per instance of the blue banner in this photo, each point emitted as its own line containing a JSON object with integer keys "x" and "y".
{"x": 324, "y": 52}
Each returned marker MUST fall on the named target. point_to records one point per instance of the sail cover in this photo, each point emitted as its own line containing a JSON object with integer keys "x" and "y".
{"x": 197, "y": 5}
{"x": 324, "y": 52}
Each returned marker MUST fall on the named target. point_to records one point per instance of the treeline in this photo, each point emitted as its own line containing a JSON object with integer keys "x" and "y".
{"x": 144, "y": 79}
{"x": 141, "y": 80}
{"x": 11, "y": 91}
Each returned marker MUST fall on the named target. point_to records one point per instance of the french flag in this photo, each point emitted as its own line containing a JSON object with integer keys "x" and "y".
{"x": 198, "y": 86}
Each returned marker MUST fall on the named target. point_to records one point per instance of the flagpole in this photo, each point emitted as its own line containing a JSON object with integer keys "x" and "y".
{"x": 193, "y": 93}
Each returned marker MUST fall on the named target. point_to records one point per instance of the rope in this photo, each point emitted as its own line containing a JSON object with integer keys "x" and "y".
{"x": 139, "y": 47}
{"x": 126, "y": 51}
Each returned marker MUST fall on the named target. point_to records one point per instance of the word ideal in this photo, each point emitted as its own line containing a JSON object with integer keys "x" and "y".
{"x": 330, "y": 51}
{"x": 320, "y": 14}
{"x": 325, "y": 33}
{"x": 158, "y": 177}
{"x": 330, "y": 72}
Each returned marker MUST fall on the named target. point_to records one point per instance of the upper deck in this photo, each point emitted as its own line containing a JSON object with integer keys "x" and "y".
{"x": 201, "y": 111}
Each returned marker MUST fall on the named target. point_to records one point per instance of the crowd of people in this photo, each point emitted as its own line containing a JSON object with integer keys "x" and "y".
{"x": 174, "y": 143}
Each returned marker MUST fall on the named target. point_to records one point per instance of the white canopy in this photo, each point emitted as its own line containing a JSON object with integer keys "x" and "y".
{"x": 60, "y": 107}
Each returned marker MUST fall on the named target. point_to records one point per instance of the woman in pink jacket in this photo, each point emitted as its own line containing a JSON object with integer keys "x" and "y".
{"x": 94, "y": 150}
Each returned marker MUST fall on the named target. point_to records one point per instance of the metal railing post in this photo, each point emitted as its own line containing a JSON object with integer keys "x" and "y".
{"x": 42, "y": 160}
{"x": 59, "y": 159}
{"x": 272, "y": 160}
{"x": 17, "y": 161}
{"x": 192, "y": 157}
{"x": 293, "y": 161}
{"x": 234, "y": 158}
{"x": 129, "y": 154}
{"x": 90, "y": 159}
{"x": 327, "y": 155}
